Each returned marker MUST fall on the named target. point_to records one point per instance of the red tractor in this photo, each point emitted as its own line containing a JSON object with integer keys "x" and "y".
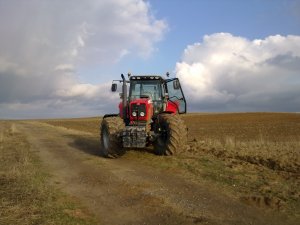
{"x": 150, "y": 115}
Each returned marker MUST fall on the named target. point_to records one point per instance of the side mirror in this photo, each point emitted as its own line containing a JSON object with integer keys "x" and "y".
{"x": 176, "y": 84}
{"x": 114, "y": 87}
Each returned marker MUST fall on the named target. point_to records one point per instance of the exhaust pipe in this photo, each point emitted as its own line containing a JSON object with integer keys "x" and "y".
{"x": 124, "y": 90}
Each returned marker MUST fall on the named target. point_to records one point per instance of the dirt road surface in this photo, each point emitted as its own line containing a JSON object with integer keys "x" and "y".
{"x": 124, "y": 191}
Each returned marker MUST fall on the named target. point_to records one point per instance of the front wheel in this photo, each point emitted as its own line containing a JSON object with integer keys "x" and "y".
{"x": 172, "y": 135}
{"x": 111, "y": 144}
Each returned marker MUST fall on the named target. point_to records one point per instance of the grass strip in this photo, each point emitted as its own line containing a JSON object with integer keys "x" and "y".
{"x": 26, "y": 197}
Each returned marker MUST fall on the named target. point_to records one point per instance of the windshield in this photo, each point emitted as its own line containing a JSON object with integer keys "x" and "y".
{"x": 143, "y": 88}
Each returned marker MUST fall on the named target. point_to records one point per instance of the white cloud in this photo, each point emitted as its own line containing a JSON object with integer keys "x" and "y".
{"x": 43, "y": 42}
{"x": 65, "y": 68}
{"x": 230, "y": 73}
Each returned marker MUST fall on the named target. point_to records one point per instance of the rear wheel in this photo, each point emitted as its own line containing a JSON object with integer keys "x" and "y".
{"x": 172, "y": 137}
{"x": 111, "y": 144}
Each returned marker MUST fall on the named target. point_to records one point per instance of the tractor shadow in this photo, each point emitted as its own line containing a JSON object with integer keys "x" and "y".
{"x": 89, "y": 145}
{"x": 146, "y": 150}
{"x": 92, "y": 145}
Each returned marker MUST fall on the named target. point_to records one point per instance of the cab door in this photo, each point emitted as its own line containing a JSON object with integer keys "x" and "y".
{"x": 176, "y": 95}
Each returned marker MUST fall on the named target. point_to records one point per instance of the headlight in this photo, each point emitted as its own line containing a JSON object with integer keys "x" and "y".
{"x": 142, "y": 114}
{"x": 133, "y": 113}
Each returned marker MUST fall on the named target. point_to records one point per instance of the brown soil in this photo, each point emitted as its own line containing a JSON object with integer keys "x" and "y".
{"x": 136, "y": 190}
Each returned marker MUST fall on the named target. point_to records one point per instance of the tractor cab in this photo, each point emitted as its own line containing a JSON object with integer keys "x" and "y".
{"x": 149, "y": 88}
{"x": 166, "y": 95}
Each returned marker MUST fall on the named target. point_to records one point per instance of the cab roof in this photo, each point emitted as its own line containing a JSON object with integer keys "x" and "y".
{"x": 146, "y": 77}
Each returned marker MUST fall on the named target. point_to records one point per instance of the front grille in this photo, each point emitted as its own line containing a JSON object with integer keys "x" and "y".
{"x": 138, "y": 108}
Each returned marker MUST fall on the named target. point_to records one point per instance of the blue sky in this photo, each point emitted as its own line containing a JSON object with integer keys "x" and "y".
{"x": 190, "y": 20}
{"x": 55, "y": 63}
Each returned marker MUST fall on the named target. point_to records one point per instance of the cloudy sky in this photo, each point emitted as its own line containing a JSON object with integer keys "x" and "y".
{"x": 58, "y": 57}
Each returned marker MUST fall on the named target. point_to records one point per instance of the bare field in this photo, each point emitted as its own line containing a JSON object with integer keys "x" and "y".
{"x": 252, "y": 156}
{"x": 261, "y": 153}
{"x": 268, "y": 139}
{"x": 91, "y": 125}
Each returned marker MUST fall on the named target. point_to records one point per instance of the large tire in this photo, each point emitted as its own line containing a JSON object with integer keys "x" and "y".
{"x": 172, "y": 137}
{"x": 111, "y": 143}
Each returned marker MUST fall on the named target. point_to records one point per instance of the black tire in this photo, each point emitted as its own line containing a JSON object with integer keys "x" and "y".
{"x": 172, "y": 137}
{"x": 111, "y": 143}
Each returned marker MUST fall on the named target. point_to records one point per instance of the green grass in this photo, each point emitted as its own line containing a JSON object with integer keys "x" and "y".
{"x": 26, "y": 196}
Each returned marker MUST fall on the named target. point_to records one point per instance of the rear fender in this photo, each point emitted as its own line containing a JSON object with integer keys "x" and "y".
{"x": 172, "y": 107}
{"x": 110, "y": 115}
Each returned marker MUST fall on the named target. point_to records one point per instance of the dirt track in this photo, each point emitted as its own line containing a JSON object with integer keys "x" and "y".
{"x": 123, "y": 191}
